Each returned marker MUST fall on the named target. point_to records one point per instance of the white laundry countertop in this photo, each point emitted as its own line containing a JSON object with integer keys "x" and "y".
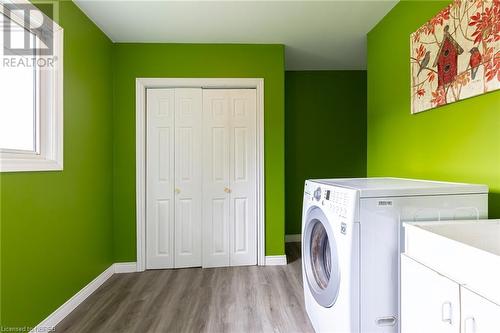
{"x": 467, "y": 252}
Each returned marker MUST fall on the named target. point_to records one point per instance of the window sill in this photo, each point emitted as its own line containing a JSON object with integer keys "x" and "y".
{"x": 24, "y": 165}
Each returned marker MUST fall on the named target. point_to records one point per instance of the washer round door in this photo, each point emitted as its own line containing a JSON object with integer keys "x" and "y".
{"x": 320, "y": 258}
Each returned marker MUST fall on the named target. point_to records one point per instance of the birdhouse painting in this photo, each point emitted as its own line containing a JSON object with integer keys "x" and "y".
{"x": 456, "y": 55}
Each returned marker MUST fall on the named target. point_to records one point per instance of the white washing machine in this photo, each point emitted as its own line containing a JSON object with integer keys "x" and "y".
{"x": 351, "y": 243}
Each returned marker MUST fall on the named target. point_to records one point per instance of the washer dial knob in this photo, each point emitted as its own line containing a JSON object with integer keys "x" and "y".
{"x": 317, "y": 194}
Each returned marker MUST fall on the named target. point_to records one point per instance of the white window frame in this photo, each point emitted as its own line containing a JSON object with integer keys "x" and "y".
{"x": 48, "y": 155}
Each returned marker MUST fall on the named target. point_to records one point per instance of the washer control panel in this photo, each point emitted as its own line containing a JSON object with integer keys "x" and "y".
{"x": 339, "y": 200}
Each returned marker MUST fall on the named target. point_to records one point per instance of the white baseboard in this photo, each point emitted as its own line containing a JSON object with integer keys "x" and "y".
{"x": 58, "y": 315}
{"x": 125, "y": 267}
{"x": 293, "y": 238}
{"x": 275, "y": 260}
{"x": 55, "y": 317}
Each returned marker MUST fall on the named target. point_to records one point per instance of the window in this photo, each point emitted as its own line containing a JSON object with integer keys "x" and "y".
{"x": 18, "y": 88}
{"x": 30, "y": 90}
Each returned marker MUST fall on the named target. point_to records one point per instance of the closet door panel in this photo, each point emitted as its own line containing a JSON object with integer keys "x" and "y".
{"x": 188, "y": 177}
{"x": 243, "y": 177}
{"x": 215, "y": 179}
{"x": 160, "y": 179}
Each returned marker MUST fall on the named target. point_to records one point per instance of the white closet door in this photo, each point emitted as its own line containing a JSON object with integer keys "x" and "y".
{"x": 188, "y": 177}
{"x": 160, "y": 179}
{"x": 243, "y": 177}
{"x": 230, "y": 159}
{"x": 215, "y": 178}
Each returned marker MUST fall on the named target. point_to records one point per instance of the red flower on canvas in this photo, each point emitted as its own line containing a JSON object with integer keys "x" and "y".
{"x": 431, "y": 76}
{"x": 487, "y": 24}
{"x": 420, "y": 52}
{"x": 441, "y": 17}
{"x": 420, "y": 92}
{"x": 439, "y": 97}
{"x": 493, "y": 68}
{"x": 461, "y": 79}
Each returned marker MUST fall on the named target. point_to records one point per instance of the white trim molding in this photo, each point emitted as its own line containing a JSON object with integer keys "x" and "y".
{"x": 140, "y": 146}
{"x": 58, "y": 315}
{"x": 293, "y": 238}
{"x": 64, "y": 310}
{"x": 125, "y": 267}
{"x": 276, "y": 260}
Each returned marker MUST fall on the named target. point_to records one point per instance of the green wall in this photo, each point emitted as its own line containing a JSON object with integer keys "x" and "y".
{"x": 195, "y": 60}
{"x": 457, "y": 142}
{"x": 325, "y": 132}
{"x": 56, "y": 227}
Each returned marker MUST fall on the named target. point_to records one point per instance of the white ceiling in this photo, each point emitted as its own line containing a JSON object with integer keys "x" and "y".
{"x": 317, "y": 34}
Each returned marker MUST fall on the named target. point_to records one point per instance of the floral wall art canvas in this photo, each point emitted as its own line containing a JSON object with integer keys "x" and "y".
{"x": 456, "y": 55}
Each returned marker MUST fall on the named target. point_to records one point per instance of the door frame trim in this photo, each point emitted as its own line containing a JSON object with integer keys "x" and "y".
{"x": 140, "y": 150}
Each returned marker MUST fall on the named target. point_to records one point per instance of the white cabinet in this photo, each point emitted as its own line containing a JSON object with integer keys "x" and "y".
{"x": 429, "y": 302}
{"x": 450, "y": 274}
{"x": 433, "y": 303}
{"x": 479, "y": 315}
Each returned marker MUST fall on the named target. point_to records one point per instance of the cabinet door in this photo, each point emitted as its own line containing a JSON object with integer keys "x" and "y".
{"x": 479, "y": 315}
{"x": 429, "y": 302}
{"x": 160, "y": 179}
{"x": 188, "y": 175}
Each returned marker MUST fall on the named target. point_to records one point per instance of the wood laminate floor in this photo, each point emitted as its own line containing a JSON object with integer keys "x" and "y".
{"x": 233, "y": 299}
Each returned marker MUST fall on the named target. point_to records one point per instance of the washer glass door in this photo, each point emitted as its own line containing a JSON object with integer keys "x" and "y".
{"x": 321, "y": 258}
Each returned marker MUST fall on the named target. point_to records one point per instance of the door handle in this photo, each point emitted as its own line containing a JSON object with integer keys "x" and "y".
{"x": 446, "y": 312}
{"x": 227, "y": 190}
{"x": 177, "y": 190}
{"x": 470, "y": 325}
